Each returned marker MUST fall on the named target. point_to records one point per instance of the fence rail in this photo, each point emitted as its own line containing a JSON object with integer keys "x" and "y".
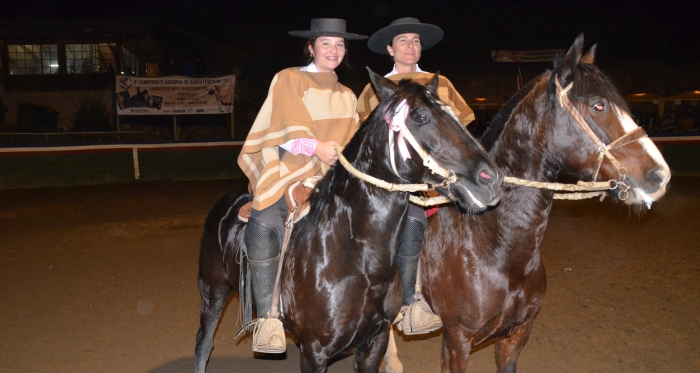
{"x": 83, "y": 135}
{"x": 42, "y": 165}
{"x": 37, "y": 166}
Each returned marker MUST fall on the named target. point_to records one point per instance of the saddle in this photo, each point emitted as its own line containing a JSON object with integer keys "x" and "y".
{"x": 297, "y": 198}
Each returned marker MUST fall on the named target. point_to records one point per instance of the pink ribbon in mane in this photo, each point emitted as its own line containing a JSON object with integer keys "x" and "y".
{"x": 398, "y": 123}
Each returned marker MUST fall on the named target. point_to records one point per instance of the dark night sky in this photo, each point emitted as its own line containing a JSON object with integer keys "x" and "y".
{"x": 625, "y": 30}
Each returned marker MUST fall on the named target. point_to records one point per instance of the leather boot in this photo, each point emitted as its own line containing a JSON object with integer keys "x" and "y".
{"x": 416, "y": 316}
{"x": 263, "y": 249}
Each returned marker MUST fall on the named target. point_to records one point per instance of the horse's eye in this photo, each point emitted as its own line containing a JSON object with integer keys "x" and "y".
{"x": 421, "y": 119}
{"x": 598, "y": 106}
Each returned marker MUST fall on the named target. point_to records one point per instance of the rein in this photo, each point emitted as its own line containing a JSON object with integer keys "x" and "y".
{"x": 397, "y": 187}
{"x": 580, "y": 190}
{"x": 603, "y": 152}
{"x": 397, "y": 123}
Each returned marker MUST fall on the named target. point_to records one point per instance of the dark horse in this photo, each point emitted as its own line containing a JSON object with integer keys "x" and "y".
{"x": 339, "y": 287}
{"x": 483, "y": 275}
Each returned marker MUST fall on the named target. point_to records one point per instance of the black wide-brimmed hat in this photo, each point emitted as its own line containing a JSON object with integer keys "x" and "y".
{"x": 429, "y": 34}
{"x": 327, "y": 27}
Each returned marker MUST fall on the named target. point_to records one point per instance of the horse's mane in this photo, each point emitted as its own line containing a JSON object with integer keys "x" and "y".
{"x": 494, "y": 130}
{"x": 360, "y": 151}
{"x": 589, "y": 82}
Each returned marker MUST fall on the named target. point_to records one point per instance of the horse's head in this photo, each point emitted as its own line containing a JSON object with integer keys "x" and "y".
{"x": 429, "y": 145}
{"x": 608, "y": 144}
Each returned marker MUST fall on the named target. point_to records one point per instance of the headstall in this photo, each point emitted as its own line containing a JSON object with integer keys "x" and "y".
{"x": 603, "y": 150}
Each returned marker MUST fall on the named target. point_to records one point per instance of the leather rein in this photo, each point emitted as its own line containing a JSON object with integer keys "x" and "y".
{"x": 397, "y": 124}
{"x": 574, "y": 190}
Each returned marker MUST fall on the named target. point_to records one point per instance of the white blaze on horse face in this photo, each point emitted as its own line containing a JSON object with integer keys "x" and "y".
{"x": 664, "y": 173}
{"x": 627, "y": 122}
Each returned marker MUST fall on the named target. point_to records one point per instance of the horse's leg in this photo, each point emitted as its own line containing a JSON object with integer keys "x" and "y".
{"x": 312, "y": 361}
{"x": 213, "y": 301}
{"x": 393, "y": 364}
{"x": 368, "y": 355}
{"x": 508, "y": 349}
{"x": 456, "y": 347}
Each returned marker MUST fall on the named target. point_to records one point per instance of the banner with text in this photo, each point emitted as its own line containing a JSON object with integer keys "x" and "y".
{"x": 543, "y": 55}
{"x": 173, "y": 95}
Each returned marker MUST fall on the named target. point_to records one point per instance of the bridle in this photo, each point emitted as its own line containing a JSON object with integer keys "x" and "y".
{"x": 398, "y": 132}
{"x": 603, "y": 150}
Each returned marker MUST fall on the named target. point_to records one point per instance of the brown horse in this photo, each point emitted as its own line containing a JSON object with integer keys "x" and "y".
{"x": 339, "y": 287}
{"x": 484, "y": 275}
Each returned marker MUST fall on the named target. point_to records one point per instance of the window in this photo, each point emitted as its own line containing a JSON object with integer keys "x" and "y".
{"x": 107, "y": 52}
{"x": 82, "y": 58}
{"x": 33, "y": 59}
{"x": 130, "y": 62}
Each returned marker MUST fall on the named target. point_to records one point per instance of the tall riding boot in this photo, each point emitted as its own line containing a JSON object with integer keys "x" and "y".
{"x": 418, "y": 318}
{"x": 263, "y": 250}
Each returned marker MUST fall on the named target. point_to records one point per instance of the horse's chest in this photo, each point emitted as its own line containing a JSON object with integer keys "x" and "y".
{"x": 518, "y": 300}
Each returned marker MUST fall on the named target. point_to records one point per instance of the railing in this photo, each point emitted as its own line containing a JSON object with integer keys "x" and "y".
{"x": 63, "y": 165}
{"x": 116, "y": 135}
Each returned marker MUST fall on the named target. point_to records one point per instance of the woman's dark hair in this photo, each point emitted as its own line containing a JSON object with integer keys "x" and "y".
{"x": 310, "y": 42}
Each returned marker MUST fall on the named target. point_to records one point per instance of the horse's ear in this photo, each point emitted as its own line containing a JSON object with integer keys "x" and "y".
{"x": 384, "y": 87}
{"x": 570, "y": 60}
{"x": 433, "y": 83}
{"x": 589, "y": 57}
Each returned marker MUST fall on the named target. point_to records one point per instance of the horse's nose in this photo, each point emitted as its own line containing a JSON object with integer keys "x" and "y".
{"x": 658, "y": 176}
{"x": 492, "y": 179}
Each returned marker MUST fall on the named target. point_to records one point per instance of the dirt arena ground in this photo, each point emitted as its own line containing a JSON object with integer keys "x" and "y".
{"x": 102, "y": 279}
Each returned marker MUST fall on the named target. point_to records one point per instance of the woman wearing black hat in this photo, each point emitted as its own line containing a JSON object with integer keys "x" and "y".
{"x": 404, "y": 40}
{"x": 292, "y": 139}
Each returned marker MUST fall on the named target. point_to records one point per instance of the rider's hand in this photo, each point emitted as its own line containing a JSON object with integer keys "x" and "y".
{"x": 326, "y": 153}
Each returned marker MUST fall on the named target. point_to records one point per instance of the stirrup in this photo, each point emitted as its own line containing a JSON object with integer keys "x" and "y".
{"x": 268, "y": 336}
{"x": 417, "y": 318}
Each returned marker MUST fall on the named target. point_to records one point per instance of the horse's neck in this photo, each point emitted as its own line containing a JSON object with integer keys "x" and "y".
{"x": 523, "y": 212}
{"x": 379, "y": 209}
{"x": 523, "y": 143}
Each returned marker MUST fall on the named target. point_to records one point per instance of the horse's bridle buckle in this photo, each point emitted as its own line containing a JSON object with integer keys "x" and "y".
{"x": 621, "y": 184}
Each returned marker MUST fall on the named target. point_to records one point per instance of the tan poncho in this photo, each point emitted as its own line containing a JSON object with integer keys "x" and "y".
{"x": 446, "y": 91}
{"x": 299, "y": 104}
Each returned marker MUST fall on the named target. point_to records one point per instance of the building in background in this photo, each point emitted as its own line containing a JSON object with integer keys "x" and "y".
{"x": 58, "y": 62}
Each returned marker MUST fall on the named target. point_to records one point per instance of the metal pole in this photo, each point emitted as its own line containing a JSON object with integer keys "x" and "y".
{"x": 118, "y": 137}
{"x": 175, "y": 135}
{"x": 233, "y": 120}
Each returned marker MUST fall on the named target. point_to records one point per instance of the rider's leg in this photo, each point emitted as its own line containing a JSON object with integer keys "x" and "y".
{"x": 418, "y": 317}
{"x": 263, "y": 239}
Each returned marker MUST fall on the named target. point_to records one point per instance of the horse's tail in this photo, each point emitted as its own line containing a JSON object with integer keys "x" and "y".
{"x": 222, "y": 253}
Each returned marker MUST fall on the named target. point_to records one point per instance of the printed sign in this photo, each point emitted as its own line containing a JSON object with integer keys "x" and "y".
{"x": 543, "y": 55}
{"x": 173, "y": 95}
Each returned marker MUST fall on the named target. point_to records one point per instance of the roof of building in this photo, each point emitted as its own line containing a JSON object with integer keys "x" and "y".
{"x": 57, "y": 29}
